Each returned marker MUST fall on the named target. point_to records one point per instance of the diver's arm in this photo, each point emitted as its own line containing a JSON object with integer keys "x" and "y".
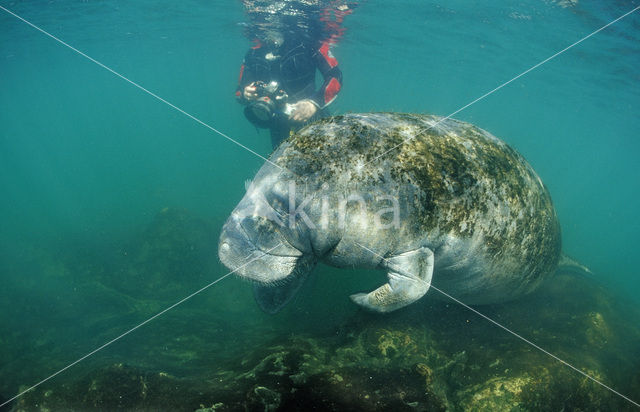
{"x": 303, "y": 110}
{"x": 328, "y": 66}
{"x": 246, "y": 91}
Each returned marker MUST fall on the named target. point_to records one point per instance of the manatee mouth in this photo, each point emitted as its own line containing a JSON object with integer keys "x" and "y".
{"x": 276, "y": 269}
{"x": 262, "y": 257}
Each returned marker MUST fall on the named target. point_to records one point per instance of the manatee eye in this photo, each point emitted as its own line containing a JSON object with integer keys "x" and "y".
{"x": 279, "y": 202}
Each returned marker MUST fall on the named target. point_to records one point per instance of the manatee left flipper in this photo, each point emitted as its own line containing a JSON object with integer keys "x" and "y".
{"x": 409, "y": 279}
{"x": 273, "y": 298}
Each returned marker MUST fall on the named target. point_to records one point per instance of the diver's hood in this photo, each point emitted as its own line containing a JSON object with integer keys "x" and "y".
{"x": 274, "y": 39}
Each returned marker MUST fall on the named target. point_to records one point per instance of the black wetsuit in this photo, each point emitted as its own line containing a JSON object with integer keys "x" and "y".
{"x": 293, "y": 65}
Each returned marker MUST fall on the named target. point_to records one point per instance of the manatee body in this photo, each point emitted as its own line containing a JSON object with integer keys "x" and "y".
{"x": 427, "y": 199}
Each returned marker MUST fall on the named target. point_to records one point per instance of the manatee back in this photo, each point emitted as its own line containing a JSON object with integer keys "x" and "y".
{"x": 458, "y": 182}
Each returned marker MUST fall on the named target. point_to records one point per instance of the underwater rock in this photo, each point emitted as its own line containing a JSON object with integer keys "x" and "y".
{"x": 395, "y": 343}
{"x": 266, "y": 398}
{"x": 496, "y": 394}
{"x": 116, "y": 387}
{"x": 429, "y": 356}
{"x": 597, "y": 332}
{"x": 398, "y": 362}
{"x": 213, "y": 408}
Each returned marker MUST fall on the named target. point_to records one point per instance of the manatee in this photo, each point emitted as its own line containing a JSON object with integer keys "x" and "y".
{"x": 429, "y": 200}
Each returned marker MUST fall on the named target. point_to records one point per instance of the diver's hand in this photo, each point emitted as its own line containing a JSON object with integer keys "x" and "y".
{"x": 303, "y": 110}
{"x": 250, "y": 92}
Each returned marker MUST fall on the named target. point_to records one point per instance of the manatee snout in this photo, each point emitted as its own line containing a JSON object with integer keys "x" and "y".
{"x": 254, "y": 253}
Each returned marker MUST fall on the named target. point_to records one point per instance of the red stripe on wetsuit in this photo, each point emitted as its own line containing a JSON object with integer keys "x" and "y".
{"x": 326, "y": 53}
{"x": 331, "y": 91}
{"x": 333, "y": 86}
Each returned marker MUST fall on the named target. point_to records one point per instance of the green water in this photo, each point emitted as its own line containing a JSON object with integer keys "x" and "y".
{"x": 112, "y": 201}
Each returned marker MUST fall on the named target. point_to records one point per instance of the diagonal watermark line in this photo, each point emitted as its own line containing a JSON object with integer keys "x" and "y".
{"x": 136, "y": 327}
{"x": 141, "y": 88}
{"x": 515, "y": 334}
{"x": 506, "y": 83}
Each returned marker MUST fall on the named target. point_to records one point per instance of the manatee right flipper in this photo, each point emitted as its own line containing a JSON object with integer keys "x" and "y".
{"x": 409, "y": 279}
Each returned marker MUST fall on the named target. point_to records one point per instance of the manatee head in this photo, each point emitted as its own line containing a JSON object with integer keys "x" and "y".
{"x": 261, "y": 243}
{"x": 258, "y": 242}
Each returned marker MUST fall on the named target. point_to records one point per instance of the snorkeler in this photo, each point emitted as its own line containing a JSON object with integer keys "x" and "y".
{"x": 277, "y": 82}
